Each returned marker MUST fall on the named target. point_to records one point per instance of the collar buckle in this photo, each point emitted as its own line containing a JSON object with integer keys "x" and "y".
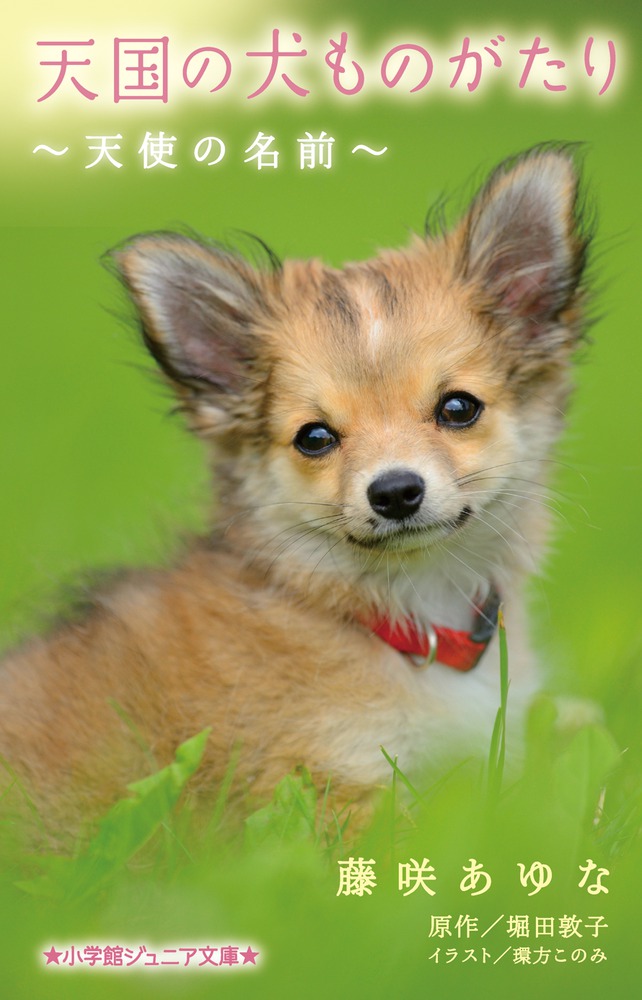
{"x": 420, "y": 661}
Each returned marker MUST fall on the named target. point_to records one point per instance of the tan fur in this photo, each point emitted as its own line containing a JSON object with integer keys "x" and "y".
{"x": 256, "y": 632}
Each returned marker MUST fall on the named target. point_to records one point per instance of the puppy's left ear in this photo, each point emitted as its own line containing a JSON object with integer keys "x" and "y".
{"x": 523, "y": 241}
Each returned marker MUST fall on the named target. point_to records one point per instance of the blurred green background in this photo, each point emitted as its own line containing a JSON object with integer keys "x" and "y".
{"x": 96, "y": 472}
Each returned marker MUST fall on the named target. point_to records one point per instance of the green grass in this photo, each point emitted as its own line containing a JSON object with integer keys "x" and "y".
{"x": 157, "y": 872}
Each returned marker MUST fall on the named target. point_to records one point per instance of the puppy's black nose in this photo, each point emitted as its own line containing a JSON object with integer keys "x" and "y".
{"x": 396, "y": 494}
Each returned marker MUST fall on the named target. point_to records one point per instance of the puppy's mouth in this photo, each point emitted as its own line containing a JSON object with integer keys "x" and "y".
{"x": 404, "y": 538}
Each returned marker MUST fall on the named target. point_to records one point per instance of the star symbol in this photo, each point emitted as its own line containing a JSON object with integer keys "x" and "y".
{"x": 52, "y": 956}
{"x": 249, "y": 956}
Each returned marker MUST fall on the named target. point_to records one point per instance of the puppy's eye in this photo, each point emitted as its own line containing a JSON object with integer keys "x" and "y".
{"x": 315, "y": 439}
{"x": 458, "y": 409}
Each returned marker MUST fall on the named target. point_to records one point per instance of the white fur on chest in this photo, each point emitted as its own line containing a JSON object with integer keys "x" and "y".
{"x": 433, "y": 718}
{"x": 443, "y": 715}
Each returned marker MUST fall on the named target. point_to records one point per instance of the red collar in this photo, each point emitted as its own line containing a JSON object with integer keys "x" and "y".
{"x": 452, "y": 647}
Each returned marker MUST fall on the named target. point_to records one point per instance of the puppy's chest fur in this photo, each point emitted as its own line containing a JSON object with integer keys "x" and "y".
{"x": 381, "y": 438}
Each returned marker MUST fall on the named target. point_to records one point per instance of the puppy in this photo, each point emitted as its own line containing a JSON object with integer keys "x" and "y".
{"x": 380, "y": 440}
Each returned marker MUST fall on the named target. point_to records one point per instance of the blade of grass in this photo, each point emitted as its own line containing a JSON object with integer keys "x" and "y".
{"x": 396, "y": 770}
{"x": 226, "y": 784}
{"x": 497, "y": 753}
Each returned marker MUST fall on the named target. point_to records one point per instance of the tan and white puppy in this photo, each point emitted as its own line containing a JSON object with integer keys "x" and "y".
{"x": 380, "y": 440}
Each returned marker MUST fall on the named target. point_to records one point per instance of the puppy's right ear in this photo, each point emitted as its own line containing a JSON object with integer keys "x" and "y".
{"x": 199, "y": 307}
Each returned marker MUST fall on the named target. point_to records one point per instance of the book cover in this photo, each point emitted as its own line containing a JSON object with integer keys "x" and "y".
{"x": 326, "y": 132}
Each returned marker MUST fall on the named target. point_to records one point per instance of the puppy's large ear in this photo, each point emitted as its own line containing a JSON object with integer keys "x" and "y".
{"x": 199, "y": 306}
{"x": 524, "y": 245}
